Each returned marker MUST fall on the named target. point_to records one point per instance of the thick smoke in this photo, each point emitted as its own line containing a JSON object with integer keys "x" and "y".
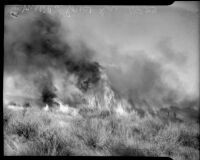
{"x": 38, "y": 49}
{"x": 34, "y": 46}
{"x": 143, "y": 81}
{"x": 46, "y": 88}
{"x": 169, "y": 54}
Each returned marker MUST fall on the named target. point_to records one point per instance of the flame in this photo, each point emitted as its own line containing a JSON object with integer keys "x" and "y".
{"x": 46, "y": 108}
{"x": 62, "y": 107}
{"x": 66, "y": 108}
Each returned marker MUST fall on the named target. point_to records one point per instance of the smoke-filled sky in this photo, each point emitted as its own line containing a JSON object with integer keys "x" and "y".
{"x": 146, "y": 51}
{"x": 167, "y": 34}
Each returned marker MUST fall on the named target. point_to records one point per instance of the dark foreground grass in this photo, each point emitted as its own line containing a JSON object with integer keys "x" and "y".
{"x": 39, "y": 133}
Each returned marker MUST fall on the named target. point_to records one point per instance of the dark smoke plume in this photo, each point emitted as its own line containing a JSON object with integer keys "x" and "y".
{"x": 88, "y": 73}
{"x": 35, "y": 43}
{"x": 45, "y": 87}
{"x": 48, "y": 96}
{"x": 38, "y": 48}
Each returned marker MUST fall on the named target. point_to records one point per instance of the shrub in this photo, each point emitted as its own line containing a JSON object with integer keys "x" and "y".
{"x": 147, "y": 129}
{"x": 92, "y": 132}
{"x": 189, "y": 139}
{"x": 86, "y": 112}
{"x": 188, "y": 153}
{"x": 121, "y": 149}
{"x": 104, "y": 114}
{"x": 6, "y": 116}
{"x": 27, "y": 130}
{"x": 50, "y": 143}
{"x": 99, "y": 133}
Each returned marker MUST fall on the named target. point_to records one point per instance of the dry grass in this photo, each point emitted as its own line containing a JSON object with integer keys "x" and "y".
{"x": 102, "y": 134}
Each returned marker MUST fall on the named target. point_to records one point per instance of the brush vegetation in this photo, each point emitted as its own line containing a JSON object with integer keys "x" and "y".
{"x": 97, "y": 132}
